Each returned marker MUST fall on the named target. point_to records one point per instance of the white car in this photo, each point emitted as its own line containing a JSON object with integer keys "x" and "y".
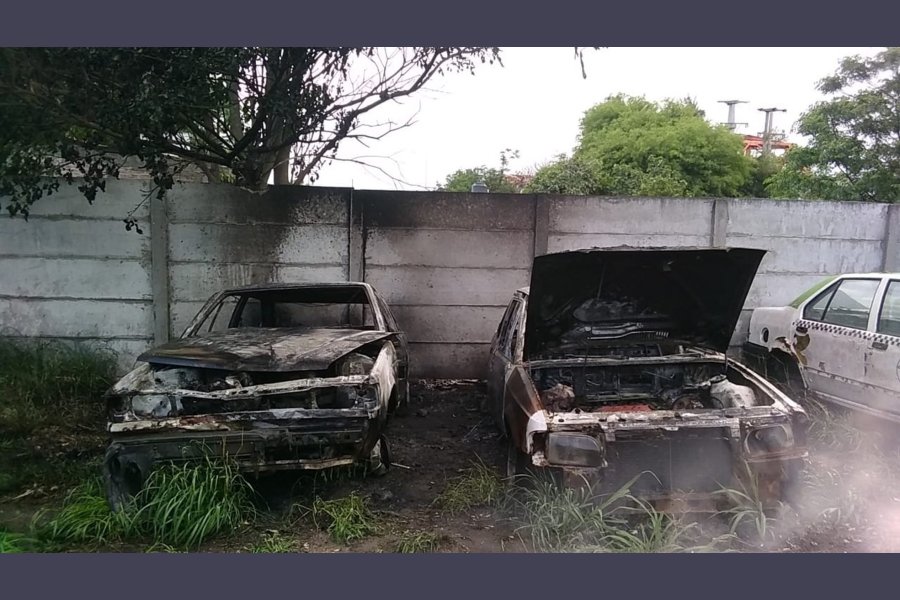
{"x": 841, "y": 339}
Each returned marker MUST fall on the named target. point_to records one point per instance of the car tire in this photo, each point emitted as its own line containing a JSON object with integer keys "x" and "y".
{"x": 123, "y": 477}
{"x": 379, "y": 458}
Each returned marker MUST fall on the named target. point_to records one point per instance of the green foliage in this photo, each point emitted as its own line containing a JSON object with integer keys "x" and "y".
{"x": 274, "y": 542}
{"x": 181, "y": 506}
{"x": 762, "y": 169}
{"x": 12, "y": 543}
{"x": 239, "y": 114}
{"x": 567, "y": 519}
{"x": 495, "y": 178}
{"x": 640, "y": 148}
{"x": 477, "y": 486}
{"x": 854, "y": 149}
{"x": 345, "y": 519}
{"x": 45, "y": 382}
{"x": 410, "y": 542}
{"x": 86, "y": 518}
{"x": 569, "y": 176}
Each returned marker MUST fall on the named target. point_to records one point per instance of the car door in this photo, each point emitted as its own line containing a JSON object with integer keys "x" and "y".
{"x": 501, "y": 352}
{"x": 883, "y": 352}
{"x": 831, "y": 338}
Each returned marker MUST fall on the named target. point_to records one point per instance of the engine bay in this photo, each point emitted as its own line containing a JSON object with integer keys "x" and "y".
{"x": 643, "y": 387}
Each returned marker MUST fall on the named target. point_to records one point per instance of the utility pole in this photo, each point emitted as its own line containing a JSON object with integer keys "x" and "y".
{"x": 767, "y": 129}
{"x": 731, "y": 124}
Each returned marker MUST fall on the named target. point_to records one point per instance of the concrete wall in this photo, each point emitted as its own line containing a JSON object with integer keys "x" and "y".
{"x": 447, "y": 263}
{"x": 73, "y": 271}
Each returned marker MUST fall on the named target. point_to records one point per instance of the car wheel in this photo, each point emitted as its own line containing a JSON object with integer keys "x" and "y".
{"x": 123, "y": 477}
{"x": 379, "y": 458}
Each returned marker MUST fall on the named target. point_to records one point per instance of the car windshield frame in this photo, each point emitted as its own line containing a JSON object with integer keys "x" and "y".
{"x": 352, "y": 296}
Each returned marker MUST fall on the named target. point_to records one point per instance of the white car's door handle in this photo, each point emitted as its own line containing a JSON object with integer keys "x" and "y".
{"x": 879, "y": 345}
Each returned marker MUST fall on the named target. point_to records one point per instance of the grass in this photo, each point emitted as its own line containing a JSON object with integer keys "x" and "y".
{"x": 13, "y": 543}
{"x": 832, "y": 429}
{"x": 411, "y": 542}
{"x": 345, "y": 519}
{"x": 747, "y": 517}
{"x": 477, "y": 486}
{"x": 273, "y": 542}
{"x": 573, "y": 519}
{"x": 85, "y": 518}
{"x": 181, "y": 506}
{"x": 51, "y": 383}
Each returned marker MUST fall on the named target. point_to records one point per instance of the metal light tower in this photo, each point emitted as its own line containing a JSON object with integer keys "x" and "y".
{"x": 767, "y": 129}
{"x": 731, "y": 124}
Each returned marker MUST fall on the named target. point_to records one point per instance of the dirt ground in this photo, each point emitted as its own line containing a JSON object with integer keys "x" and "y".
{"x": 442, "y": 436}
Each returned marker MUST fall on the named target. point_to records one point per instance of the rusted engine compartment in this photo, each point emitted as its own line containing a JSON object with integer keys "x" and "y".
{"x": 644, "y": 387}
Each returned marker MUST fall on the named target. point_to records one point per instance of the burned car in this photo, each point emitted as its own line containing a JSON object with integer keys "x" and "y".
{"x": 298, "y": 376}
{"x": 611, "y": 366}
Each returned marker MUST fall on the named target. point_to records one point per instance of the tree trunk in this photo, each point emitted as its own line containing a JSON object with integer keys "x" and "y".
{"x": 283, "y": 167}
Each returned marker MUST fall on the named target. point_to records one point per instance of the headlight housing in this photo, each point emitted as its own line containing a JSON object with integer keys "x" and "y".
{"x": 355, "y": 364}
{"x": 768, "y": 439}
{"x": 574, "y": 449}
{"x": 153, "y": 405}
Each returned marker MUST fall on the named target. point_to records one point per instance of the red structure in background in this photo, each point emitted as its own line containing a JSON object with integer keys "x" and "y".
{"x": 753, "y": 144}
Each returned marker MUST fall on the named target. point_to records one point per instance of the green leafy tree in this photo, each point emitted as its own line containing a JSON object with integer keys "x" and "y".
{"x": 854, "y": 148}
{"x": 240, "y": 114}
{"x": 567, "y": 175}
{"x": 639, "y": 147}
{"x": 496, "y": 179}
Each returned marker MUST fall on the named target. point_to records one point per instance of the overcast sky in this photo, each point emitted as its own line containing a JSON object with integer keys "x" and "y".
{"x": 533, "y": 104}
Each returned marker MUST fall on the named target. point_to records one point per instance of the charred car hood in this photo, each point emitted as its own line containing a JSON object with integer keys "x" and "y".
{"x": 263, "y": 349}
{"x": 586, "y": 299}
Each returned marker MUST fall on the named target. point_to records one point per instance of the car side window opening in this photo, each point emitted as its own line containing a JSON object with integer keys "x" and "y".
{"x": 889, "y": 317}
{"x": 851, "y": 303}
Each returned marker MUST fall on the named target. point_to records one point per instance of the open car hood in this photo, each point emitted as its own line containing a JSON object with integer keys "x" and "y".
{"x": 586, "y": 299}
{"x": 263, "y": 349}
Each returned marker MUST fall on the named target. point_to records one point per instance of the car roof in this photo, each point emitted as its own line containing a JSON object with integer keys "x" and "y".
{"x": 292, "y": 286}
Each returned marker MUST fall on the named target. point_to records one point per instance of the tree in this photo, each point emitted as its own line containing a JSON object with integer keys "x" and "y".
{"x": 496, "y": 179}
{"x": 566, "y": 175}
{"x": 240, "y": 114}
{"x": 854, "y": 148}
{"x": 639, "y": 147}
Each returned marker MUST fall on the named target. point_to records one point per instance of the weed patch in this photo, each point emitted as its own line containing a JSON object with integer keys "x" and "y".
{"x": 410, "y": 542}
{"x": 478, "y": 486}
{"x": 345, "y": 519}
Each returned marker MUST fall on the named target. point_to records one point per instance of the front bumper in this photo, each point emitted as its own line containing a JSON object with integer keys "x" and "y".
{"x": 676, "y": 463}
{"x": 255, "y": 441}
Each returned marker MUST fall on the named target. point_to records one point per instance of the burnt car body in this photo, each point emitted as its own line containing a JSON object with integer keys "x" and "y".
{"x": 612, "y": 365}
{"x": 282, "y": 376}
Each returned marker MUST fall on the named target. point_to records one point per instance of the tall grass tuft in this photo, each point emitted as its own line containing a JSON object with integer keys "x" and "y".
{"x": 345, "y": 519}
{"x": 12, "y": 543}
{"x": 411, "y": 542}
{"x": 477, "y": 486}
{"x": 183, "y": 505}
{"x": 45, "y": 382}
{"x": 562, "y": 518}
{"x": 86, "y": 518}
